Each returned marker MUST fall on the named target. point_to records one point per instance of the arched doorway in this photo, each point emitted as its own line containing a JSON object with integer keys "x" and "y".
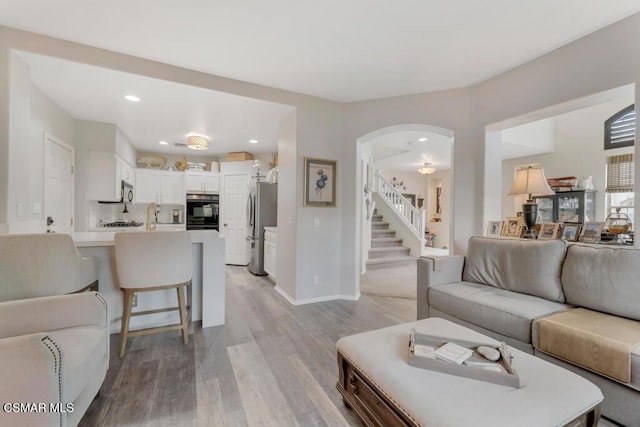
{"x": 396, "y": 153}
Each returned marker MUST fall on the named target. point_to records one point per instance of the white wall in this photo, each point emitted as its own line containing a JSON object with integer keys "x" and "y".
{"x": 287, "y": 206}
{"x": 331, "y": 130}
{"x": 579, "y": 151}
{"x": 31, "y": 115}
{"x": 366, "y": 173}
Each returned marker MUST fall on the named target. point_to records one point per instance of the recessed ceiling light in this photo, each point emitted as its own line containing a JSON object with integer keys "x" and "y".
{"x": 163, "y": 143}
{"x": 423, "y": 139}
{"x": 253, "y": 141}
{"x": 132, "y": 98}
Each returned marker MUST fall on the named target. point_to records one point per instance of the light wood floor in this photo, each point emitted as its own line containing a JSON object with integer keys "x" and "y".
{"x": 270, "y": 364}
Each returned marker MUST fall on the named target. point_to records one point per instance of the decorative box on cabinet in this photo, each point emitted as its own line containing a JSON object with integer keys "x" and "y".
{"x": 567, "y": 206}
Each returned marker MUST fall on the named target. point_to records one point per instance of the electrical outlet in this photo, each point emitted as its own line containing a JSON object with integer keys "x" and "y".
{"x": 135, "y": 300}
{"x": 316, "y": 280}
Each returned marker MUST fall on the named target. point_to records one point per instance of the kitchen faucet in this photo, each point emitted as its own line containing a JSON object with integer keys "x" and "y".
{"x": 152, "y": 207}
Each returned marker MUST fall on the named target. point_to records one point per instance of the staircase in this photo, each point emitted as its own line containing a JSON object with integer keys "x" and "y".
{"x": 386, "y": 249}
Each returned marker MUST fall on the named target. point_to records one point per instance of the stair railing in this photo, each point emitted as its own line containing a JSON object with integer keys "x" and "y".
{"x": 414, "y": 218}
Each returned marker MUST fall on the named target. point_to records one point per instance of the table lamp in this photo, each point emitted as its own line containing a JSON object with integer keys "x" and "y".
{"x": 530, "y": 180}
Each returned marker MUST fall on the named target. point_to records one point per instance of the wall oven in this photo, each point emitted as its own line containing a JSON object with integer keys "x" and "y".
{"x": 203, "y": 211}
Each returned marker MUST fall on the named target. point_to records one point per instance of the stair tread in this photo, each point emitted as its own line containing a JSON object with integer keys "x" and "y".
{"x": 386, "y": 239}
{"x": 389, "y": 248}
{"x": 391, "y": 259}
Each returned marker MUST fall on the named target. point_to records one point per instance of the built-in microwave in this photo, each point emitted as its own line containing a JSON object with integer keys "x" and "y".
{"x": 126, "y": 195}
{"x": 203, "y": 211}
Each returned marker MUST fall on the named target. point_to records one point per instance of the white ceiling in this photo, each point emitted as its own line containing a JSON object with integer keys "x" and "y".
{"x": 336, "y": 49}
{"x": 402, "y": 151}
{"x": 167, "y": 111}
{"x": 353, "y": 50}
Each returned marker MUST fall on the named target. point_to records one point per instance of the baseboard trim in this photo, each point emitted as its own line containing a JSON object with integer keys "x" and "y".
{"x": 294, "y": 301}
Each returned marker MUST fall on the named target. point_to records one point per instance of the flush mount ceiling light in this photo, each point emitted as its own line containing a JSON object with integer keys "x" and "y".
{"x": 426, "y": 169}
{"x": 197, "y": 142}
{"x": 132, "y": 98}
{"x": 253, "y": 141}
{"x": 163, "y": 143}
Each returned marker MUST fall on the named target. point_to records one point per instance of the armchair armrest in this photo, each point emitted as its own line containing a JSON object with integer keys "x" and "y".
{"x": 33, "y": 315}
{"x": 436, "y": 271}
{"x": 30, "y": 374}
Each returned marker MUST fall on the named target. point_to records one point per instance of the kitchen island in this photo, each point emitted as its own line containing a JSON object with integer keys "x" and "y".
{"x": 208, "y": 281}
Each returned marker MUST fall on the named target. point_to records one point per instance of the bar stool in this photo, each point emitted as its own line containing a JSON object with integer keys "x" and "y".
{"x": 154, "y": 261}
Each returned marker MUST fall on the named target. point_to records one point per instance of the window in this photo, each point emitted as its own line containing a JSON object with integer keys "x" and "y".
{"x": 620, "y": 180}
{"x": 620, "y": 129}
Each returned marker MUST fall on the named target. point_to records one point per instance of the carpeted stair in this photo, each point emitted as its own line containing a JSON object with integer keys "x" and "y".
{"x": 386, "y": 249}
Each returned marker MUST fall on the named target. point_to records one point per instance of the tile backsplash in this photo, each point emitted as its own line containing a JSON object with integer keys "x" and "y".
{"x": 109, "y": 212}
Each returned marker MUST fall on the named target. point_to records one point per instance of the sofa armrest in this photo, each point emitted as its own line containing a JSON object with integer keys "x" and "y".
{"x": 436, "y": 271}
{"x": 30, "y": 374}
{"x": 33, "y": 315}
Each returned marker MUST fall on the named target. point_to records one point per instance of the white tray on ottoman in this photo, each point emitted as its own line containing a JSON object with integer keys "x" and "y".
{"x": 377, "y": 382}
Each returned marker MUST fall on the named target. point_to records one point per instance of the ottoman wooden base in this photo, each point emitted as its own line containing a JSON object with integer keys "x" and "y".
{"x": 377, "y": 405}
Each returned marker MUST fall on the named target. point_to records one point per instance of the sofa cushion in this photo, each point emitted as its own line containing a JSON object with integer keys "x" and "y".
{"x": 498, "y": 310}
{"x": 83, "y": 349}
{"x": 602, "y": 278}
{"x": 531, "y": 267}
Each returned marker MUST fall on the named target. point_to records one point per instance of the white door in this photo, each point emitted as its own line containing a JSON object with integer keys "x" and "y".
{"x": 234, "y": 203}
{"x": 58, "y": 185}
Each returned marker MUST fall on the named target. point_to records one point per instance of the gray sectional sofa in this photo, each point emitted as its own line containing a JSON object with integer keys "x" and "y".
{"x": 505, "y": 287}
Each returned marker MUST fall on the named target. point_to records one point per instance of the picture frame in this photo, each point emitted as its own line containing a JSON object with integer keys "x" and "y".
{"x": 549, "y": 231}
{"x": 591, "y": 232}
{"x": 494, "y": 228}
{"x": 320, "y": 182}
{"x": 571, "y": 231}
{"x": 512, "y": 227}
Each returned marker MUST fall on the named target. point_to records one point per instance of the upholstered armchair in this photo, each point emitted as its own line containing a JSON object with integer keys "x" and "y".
{"x": 38, "y": 265}
{"x": 54, "y": 344}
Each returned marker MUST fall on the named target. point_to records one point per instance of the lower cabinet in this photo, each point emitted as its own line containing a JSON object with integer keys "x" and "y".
{"x": 270, "y": 253}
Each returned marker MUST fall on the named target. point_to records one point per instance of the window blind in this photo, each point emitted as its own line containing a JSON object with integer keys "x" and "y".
{"x": 620, "y": 174}
{"x": 620, "y": 129}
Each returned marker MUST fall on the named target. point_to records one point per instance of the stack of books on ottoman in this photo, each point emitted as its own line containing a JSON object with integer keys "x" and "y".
{"x": 467, "y": 359}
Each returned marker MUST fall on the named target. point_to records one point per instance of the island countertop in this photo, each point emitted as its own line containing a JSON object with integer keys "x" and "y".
{"x": 85, "y": 239}
{"x": 208, "y": 279}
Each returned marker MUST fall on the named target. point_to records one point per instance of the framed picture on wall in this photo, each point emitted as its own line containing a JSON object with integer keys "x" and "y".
{"x": 320, "y": 187}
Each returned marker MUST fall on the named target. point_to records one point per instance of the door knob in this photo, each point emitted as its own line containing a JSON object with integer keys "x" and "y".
{"x": 49, "y": 220}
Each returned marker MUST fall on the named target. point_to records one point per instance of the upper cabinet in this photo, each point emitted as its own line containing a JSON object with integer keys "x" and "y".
{"x": 110, "y": 157}
{"x": 105, "y": 175}
{"x": 159, "y": 186}
{"x": 202, "y": 181}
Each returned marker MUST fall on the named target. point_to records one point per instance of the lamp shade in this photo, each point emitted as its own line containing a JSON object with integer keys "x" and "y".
{"x": 530, "y": 180}
{"x": 197, "y": 142}
{"x": 426, "y": 169}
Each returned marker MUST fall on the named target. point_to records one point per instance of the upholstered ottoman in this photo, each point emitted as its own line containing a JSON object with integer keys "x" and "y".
{"x": 377, "y": 382}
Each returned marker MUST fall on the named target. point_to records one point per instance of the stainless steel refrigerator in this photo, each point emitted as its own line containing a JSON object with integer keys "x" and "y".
{"x": 262, "y": 211}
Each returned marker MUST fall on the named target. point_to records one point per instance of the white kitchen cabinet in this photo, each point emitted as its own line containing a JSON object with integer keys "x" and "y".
{"x": 106, "y": 171}
{"x": 159, "y": 186}
{"x": 197, "y": 181}
{"x": 270, "y": 246}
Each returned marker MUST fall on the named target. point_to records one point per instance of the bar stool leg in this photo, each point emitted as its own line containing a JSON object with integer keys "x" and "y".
{"x": 126, "y": 316}
{"x": 183, "y": 314}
